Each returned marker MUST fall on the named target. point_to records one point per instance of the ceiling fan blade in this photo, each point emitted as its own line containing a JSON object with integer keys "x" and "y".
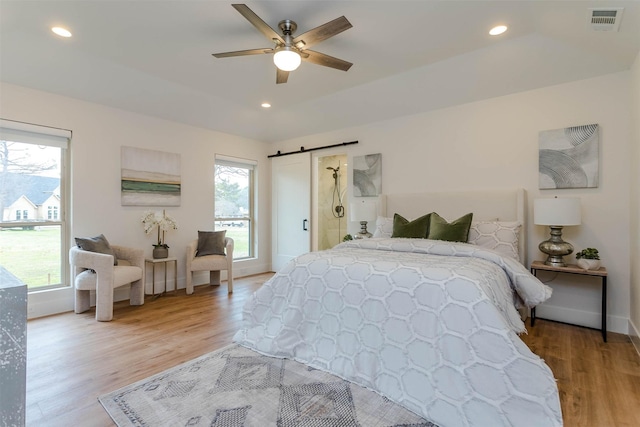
{"x": 281, "y": 76}
{"x": 243, "y": 52}
{"x": 326, "y": 60}
{"x": 257, "y": 22}
{"x": 322, "y": 32}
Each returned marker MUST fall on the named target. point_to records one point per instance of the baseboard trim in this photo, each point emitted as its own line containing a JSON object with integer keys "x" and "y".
{"x": 588, "y": 319}
{"x": 48, "y": 302}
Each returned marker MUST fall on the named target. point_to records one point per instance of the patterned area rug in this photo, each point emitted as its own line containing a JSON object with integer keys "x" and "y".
{"x": 235, "y": 387}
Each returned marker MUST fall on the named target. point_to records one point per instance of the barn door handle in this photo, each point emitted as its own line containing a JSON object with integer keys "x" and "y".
{"x": 304, "y": 225}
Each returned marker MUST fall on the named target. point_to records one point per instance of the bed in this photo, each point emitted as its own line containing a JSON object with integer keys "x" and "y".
{"x": 428, "y": 324}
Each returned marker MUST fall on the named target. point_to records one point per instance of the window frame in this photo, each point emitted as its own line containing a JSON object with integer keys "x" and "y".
{"x": 250, "y": 166}
{"x": 27, "y": 133}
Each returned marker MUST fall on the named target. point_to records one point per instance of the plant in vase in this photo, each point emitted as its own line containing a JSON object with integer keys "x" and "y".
{"x": 163, "y": 223}
{"x": 588, "y": 259}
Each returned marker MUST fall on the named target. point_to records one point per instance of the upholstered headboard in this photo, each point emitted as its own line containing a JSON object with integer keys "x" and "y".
{"x": 501, "y": 205}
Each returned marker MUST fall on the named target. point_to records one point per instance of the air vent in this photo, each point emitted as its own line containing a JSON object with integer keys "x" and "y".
{"x": 605, "y": 19}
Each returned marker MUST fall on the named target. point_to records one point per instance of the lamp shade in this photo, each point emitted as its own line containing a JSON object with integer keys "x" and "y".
{"x": 363, "y": 211}
{"x": 557, "y": 211}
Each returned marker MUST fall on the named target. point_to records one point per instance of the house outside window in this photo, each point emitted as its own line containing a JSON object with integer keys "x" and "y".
{"x": 33, "y": 230}
{"x": 234, "y": 203}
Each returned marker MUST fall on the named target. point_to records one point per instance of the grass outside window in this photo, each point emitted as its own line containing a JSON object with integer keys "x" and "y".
{"x": 33, "y": 256}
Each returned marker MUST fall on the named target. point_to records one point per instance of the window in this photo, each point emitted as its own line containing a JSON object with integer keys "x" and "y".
{"x": 33, "y": 246}
{"x": 52, "y": 212}
{"x": 234, "y": 210}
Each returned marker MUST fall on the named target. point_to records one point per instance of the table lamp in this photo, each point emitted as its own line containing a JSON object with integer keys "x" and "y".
{"x": 364, "y": 212}
{"x": 556, "y": 213}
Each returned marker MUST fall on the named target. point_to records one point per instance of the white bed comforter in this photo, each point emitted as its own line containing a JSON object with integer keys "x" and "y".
{"x": 431, "y": 325}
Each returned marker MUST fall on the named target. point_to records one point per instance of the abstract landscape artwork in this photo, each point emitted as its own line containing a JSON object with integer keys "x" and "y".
{"x": 367, "y": 175}
{"x": 149, "y": 177}
{"x": 568, "y": 157}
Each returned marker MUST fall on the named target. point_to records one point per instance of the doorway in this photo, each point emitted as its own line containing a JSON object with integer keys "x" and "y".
{"x": 332, "y": 200}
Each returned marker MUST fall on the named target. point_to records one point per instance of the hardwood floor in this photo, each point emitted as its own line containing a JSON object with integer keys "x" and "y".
{"x": 72, "y": 359}
{"x": 599, "y": 382}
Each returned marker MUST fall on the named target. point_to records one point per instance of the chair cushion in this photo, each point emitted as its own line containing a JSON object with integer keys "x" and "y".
{"x": 210, "y": 243}
{"x": 209, "y": 262}
{"x": 122, "y": 275}
{"x": 98, "y": 244}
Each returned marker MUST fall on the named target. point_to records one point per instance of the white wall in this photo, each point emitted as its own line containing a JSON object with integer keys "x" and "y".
{"x": 634, "y": 326}
{"x": 494, "y": 144}
{"x": 98, "y": 134}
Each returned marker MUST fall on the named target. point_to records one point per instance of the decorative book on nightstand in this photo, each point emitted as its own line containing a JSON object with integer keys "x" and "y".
{"x": 574, "y": 269}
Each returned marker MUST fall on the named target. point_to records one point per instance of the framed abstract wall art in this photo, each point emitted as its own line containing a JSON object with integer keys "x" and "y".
{"x": 367, "y": 175}
{"x": 569, "y": 157}
{"x": 149, "y": 177}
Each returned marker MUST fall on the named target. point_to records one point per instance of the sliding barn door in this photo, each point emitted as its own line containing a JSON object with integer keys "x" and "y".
{"x": 291, "y": 180}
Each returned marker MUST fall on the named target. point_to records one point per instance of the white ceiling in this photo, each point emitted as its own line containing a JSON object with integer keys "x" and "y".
{"x": 154, "y": 57}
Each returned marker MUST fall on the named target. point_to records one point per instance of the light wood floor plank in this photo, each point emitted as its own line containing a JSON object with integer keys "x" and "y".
{"x": 72, "y": 359}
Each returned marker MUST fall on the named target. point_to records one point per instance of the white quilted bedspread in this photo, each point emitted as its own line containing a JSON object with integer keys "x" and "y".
{"x": 431, "y": 325}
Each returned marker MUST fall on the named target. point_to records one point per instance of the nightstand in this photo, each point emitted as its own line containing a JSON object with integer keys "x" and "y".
{"x": 574, "y": 269}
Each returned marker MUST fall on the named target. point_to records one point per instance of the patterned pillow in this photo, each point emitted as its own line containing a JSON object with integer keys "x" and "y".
{"x": 384, "y": 227}
{"x": 500, "y": 236}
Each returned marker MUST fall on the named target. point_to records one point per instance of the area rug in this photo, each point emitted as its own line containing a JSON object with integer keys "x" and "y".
{"x": 235, "y": 387}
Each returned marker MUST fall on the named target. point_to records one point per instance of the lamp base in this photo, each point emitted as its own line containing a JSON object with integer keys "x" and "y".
{"x": 363, "y": 234}
{"x": 555, "y": 261}
{"x": 556, "y": 248}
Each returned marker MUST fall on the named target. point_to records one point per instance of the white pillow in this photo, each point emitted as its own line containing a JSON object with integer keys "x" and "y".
{"x": 384, "y": 227}
{"x": 500, "y": 236}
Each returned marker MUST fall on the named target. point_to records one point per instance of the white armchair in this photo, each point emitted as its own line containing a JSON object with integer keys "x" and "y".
{"x": 212, "y": 263}
{"x": 95, "y": 271}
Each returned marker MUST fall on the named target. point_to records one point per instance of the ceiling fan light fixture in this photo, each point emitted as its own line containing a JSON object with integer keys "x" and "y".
{"x": 61, "y": 31}
{"x": 495, "y": 31}
{"x": 287, "y": 59}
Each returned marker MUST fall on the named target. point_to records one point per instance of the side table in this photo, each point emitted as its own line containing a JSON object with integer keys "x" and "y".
{"x": 166, "y": 262}
{"x": 574, "y": 269}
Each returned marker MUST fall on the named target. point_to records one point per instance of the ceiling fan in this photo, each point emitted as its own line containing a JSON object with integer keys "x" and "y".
{"x": 289, "y": 51}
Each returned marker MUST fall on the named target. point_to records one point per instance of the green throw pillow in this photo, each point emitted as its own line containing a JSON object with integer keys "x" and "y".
{"x": 454, "y": 231}
{"x": 98, "y": 244}
{"x": 211, "y": 243}
{"x": 416, "y": 229}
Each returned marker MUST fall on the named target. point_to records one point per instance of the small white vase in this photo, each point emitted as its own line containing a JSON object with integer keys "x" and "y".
{"x": 588, "y": 264}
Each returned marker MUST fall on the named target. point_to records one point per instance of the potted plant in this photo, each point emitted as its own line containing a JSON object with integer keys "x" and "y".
{"x": 151, "y": 220}
{"x": 588, "y": 259}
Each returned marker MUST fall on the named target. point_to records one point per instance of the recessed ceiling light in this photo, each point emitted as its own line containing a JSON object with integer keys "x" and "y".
{"x": 265, "y": 105}
{"x": 62, "y": 32}
{"x": 498, "y": 30}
